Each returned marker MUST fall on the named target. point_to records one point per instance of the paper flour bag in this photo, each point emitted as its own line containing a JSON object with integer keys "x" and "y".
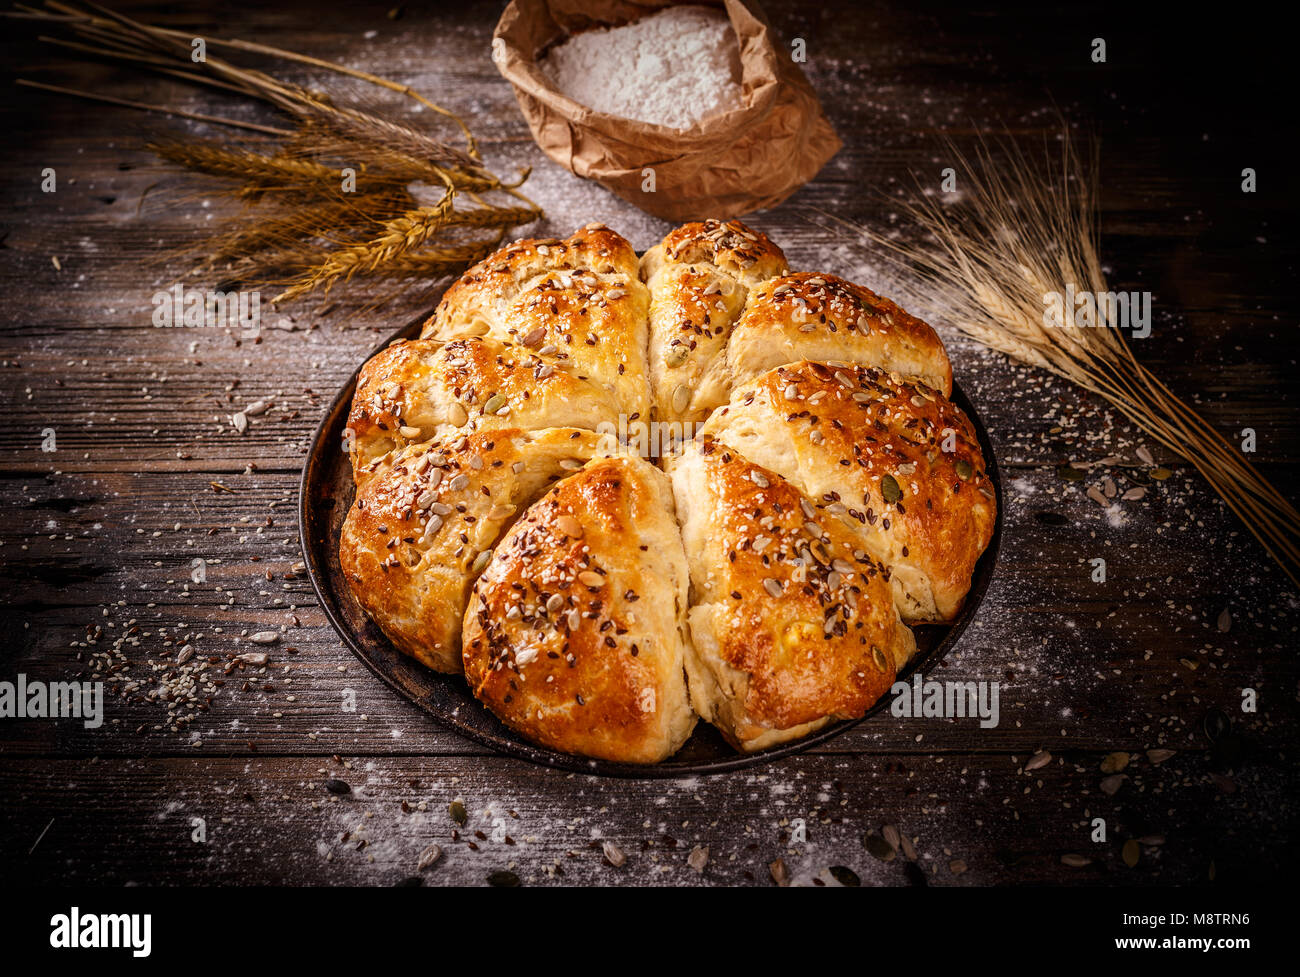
{"x": 742, "y": 160}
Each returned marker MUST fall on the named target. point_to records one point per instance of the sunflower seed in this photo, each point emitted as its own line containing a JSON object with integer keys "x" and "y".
{"x": 1152, "y": 841}
{"x": 428, "y": 857}
{"x": 889, "y": 489}
{"x": 1160, "y": 474}
{"x": 1145, "y": 456}
{"x": 957, "y": 866}
{"x": 240, "y": 421}
{"x": 1075, "y": 861}
{"x": 264, "y": 637}
{"x": 408, "y": 432}
{"x": 1133, "y": 494}
{"x": 590, "y": 578}
{"x": 1039, "y": 760}
{"x": 772, "y": 586}
{"x": 457, "y": 415}
{"x": 459, "y": 482}
{"x": 337, "y": 787}
{"x": 1224, "y": 623}
{"x": 698, "y": 858}
{"x": 891, "y": 835}
{"x": 878, "y": 657}
{"x": 533, "y": 337}
{"x": 554, "y": 603}
{"x": 613, "y": 854}
{"x": 1159, "y": 756}
{"x": 503, "y": 880}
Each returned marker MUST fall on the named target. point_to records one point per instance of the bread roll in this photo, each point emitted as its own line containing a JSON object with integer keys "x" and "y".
{"x": 422, "y": 389}
{"x": 792, "y": 623}
{"x": 820, "y": 317}
{"x": 699, "y": 278}
{"x": 576, "y": 634}
{"x": 420, "y": 527}
{"x": 578, "y": 304}
{"x": 840, "y": 432}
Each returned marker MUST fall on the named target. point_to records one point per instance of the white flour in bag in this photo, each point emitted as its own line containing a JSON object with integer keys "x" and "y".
{"x": 672, "y": 68}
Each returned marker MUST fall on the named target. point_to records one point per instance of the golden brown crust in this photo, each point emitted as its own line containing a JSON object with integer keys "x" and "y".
{"x": 575, "y": 632}
{"x": 576, "y": 303}
{"x": 699, "y": 278}
{"x": 839, "y": 431}
{"x": 413, "y": 391}
{"x": 413, "y": 540}
{"x": 792, "y": 622}
{"x": 821, "y": 317}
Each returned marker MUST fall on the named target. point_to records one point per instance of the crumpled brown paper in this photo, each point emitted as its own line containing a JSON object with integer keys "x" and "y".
{"x": 728, "y": 165}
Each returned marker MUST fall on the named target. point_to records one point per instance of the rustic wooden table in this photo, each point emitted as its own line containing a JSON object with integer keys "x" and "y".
{"x": 98, "y": 537}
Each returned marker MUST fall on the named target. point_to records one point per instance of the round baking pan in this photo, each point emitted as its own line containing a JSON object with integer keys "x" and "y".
{"x": 325, "y": 495}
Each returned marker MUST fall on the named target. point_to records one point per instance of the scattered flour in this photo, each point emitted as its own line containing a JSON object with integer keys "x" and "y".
{"x": 672, "y": 68}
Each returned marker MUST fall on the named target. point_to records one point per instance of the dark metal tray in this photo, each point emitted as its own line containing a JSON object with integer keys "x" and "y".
{"x": 325, "y": 495}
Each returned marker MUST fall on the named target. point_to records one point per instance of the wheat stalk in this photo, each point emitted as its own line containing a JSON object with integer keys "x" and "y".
{"x": 321, "y": 233}
{"x": 1022, "y": 235}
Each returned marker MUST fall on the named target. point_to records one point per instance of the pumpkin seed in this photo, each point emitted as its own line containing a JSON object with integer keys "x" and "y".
{"x": 1160, "y": 474}
{"x": 878, "y": 657}
{"x": 889, "y": 489}
{"x": 681, "y": 398}
{"x": 458, "y": 813}
{"x": 780, "y": 874}
{"x": 480, "y": 561}
{"x": 956, "y": 866}
{"x": 1069, "y": 474}
{"x": 1111, "y": 785}
{"x": 494, "y": 404}
{"x": 676, "y": 355}
{"x": 964, "y": 469}
{"x": 337, "y": 787}
{"x": 845, "y": 876}
{"x": 1131, "y": 852}
{"x": 1145, "y": 455}
{"x": 1158, "y": 757}
{"x": 878, "y": 847}
{"x": 1114, "y": 762}
{"x": 591, "y": 579}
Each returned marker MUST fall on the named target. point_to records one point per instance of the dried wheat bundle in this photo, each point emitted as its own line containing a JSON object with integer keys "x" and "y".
{"x": 306, "y": 228}
{"x": 1026, "y": 230}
